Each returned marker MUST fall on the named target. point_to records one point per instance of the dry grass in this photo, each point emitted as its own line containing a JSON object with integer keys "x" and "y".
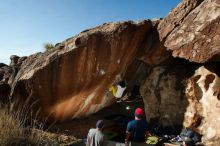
{"x": 21, "y": 128}
{"x": 14, "y": 133}
{"x": 10, "y": 127}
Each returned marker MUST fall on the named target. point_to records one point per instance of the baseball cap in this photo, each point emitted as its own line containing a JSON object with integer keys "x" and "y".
{"x": 100, "y": 124}
{"x": 139, "y": 112}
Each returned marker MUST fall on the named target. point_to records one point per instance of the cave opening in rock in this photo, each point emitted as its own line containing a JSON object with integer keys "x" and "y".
{"x": 117, "y": 115}
{"x": 161, "y": 97}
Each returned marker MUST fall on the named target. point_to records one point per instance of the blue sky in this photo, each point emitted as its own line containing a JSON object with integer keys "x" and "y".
{"x": 26, "y": 24}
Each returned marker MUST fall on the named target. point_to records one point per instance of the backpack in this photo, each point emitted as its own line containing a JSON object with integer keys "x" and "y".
{"x": 189, "y": 133}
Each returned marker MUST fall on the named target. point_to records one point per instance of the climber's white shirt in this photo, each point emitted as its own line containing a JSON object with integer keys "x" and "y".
{"x": 119, "y": 91}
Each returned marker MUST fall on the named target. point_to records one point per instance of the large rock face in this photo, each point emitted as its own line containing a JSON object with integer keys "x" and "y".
{"x": 4, "y": 93}
{"x": 5, "y": 72}
{"x": 203, "y": 94}
{"x": 191, "y": 30}
{"x": 152, "y": 51}
{"x": 7, "y": 75}
{"x": 71, "y": 80}
{"x": 163, "y": 94}
{"x": 183, "y": 94}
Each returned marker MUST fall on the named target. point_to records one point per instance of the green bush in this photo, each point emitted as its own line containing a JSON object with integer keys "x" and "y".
{"x": 48, "y": 46}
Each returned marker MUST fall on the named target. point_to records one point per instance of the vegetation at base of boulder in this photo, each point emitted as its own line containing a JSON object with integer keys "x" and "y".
{"x": 10, "y": 127}
{"x": 14, "y": 132}
{"x": 48, "y": 46}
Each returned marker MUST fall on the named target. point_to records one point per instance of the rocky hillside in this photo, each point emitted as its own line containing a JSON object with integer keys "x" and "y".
{"x": 72, "y": 80}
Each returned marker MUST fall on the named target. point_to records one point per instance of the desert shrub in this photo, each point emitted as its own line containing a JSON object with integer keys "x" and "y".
{"x": 48, "y": 46}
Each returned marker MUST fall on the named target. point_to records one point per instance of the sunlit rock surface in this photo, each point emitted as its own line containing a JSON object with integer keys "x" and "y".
{"x": 72, "y": 80}
{"x": 192, "y": 31}
{"x": 203, "y": 94}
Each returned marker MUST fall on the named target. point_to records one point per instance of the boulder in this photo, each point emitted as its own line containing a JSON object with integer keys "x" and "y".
{"x": 8, "y": 73}
{"x": 5, "y": 78}
{"x": 2, "y": 64}
{"x": 176, "y": 17}
{"x": 4, "y": 93}
{"x": 152, "y": 51}
{"x": 136, "y": 73}
{"x": 21, "y": 60}
{"x": 176, "y": 97}
{"x": 72, "y": 79}
{"x": 73, "y": 82}
{"x": 191, "y": 30}
{"x": 163, "y": 95}
{"x": 5, "y": 73}
{"x": 14, "y": 60}
{"x": 203, "y": 95}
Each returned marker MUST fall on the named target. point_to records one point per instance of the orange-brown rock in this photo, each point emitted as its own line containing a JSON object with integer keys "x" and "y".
{"x": 153, "y": 51}
{"x": 191, "y": 31}
{"x": 72, "y": 80}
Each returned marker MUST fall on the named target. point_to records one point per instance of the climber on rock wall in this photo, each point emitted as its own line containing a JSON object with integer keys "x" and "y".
{"x": 118, "y": 90}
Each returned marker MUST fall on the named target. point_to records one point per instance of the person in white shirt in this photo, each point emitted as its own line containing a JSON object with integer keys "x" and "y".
{"x": 120, "y": 89}
{"x": 96, "y": 136}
